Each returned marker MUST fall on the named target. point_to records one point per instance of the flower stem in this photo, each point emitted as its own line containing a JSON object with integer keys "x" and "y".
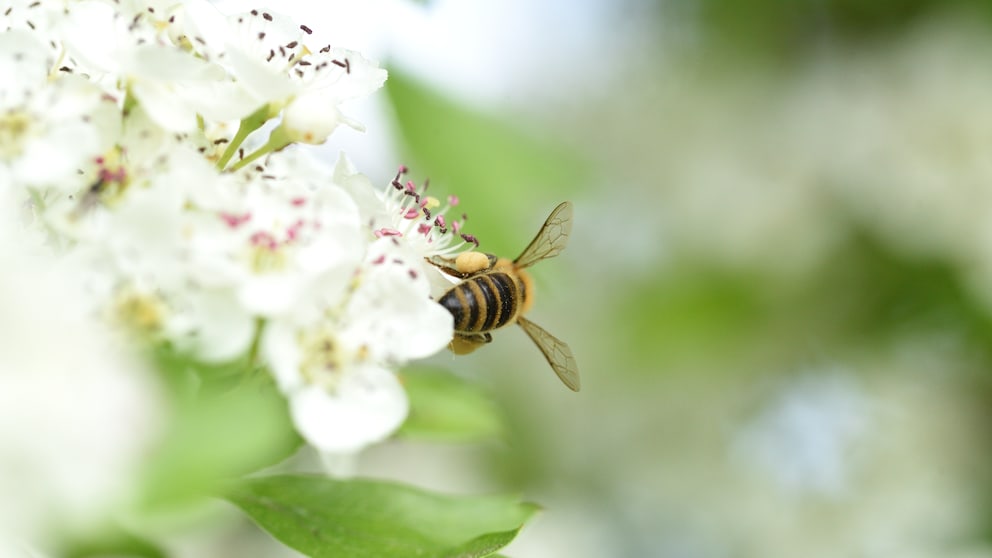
{"x": 277, "y": 140}
{"x": 255, "y": 342}
{"x": 248, "y": 125}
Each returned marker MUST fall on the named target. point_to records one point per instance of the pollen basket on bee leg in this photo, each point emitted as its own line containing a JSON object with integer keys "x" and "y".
{"x": 472, "y": 262}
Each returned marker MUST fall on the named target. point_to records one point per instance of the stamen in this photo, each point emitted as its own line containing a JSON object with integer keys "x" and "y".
{"x": 263, "y": 239}
{"x": 306, "y": 29}
{"x": 470, "y": 238}
{"x": 294, "y": 230}
{"x": 387, "y": 231}
{"x": 235, "y": 221}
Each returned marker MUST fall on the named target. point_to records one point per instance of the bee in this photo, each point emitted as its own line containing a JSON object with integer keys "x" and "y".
{"x": 495, "y": 292}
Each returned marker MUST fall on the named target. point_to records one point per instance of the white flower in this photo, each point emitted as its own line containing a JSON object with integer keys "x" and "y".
{"x": 77, "y": 410}
{"x": 117, "y": 131}
{"x": 330, "y": 360}
{"x": 267, "y": 54}
{"x": 126, "y": 54}
{"x": 404, "y": 210}
{"x": 806, "y": 436}
{"x": 48, "y": 128}
{"x": 272, "y": 235}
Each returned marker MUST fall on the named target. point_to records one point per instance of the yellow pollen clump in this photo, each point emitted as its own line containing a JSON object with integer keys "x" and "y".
{"x": 265, "y": 258}
{"x": 322, "y": 359}
{"x": 13, "y": 127}
{"x": 471, "y": 262}
{"x": 141, "y": 311}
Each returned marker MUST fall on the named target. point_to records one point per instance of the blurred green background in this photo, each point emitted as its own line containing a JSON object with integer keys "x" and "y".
{"x": 778, "y": 285}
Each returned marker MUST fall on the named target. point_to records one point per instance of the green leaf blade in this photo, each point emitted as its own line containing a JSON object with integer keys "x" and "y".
{"x": 363, "y": 518}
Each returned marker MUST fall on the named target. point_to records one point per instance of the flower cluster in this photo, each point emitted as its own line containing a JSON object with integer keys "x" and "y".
{"x": 152, "y": 145}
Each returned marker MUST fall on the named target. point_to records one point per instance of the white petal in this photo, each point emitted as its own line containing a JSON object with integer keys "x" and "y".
{"x": 53, "y": 160}
{"x": 166, "y": 108}
{"x": 167, "y": 64}
{"x": 280, "y": 349}
{"x": 258, "y": 78}
{"x": 23, "y": 66}
{"x": 270, "y": 295}
{"x": 218, "y": 101}
{"x": 223, "y": 329}
{"x": 362, "y": 78}
{"x": 311, "y": 117}
{"x": 367, "y": 406}
{"x": 92, "y": 36}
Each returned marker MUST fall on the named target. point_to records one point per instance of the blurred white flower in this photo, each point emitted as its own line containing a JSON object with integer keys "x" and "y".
{"x": 122, "y": 49}
{"x": 807, "y": 436}
{"x": 48, "y": 127}
{"x": 77, "y": 410}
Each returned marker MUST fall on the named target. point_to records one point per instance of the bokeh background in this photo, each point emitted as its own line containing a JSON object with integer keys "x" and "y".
{"x": 779, "y": 283}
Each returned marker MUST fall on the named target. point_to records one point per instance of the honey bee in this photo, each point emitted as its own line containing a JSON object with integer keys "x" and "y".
{"x": 496, "y": 291}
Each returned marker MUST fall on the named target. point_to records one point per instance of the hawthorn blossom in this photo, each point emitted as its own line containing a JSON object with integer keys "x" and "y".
{"x": 123, "y": 139}
{"x": 78, "y": 409}
{"x": 332, "y": 359}
{"x": 48, "y": 127}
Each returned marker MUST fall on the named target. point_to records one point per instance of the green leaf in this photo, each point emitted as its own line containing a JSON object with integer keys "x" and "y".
{"x": 115, "y": 542}
{"x": 216, "y": 438}
{"x": 495, "y": 166}
{"x": 444, "y": 407}
{"x": 322, "y": 517}
{"x": 483, "y": 545}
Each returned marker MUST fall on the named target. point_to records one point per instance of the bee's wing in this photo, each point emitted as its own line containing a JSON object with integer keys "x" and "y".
{"x": 556, "y": 351}
{"x": 551, "y": 239}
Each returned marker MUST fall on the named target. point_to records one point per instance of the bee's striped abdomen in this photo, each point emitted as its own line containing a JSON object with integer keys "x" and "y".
{"x": 483, "y": 303}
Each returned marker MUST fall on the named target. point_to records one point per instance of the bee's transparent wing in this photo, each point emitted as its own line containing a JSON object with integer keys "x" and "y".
{"x": 551, "y": 239}
{"x": 556, "y": 351}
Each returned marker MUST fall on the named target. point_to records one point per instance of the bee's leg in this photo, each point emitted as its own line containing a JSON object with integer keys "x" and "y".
{"x": 446, "y": 265}
{"x": 463, "y": 344}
